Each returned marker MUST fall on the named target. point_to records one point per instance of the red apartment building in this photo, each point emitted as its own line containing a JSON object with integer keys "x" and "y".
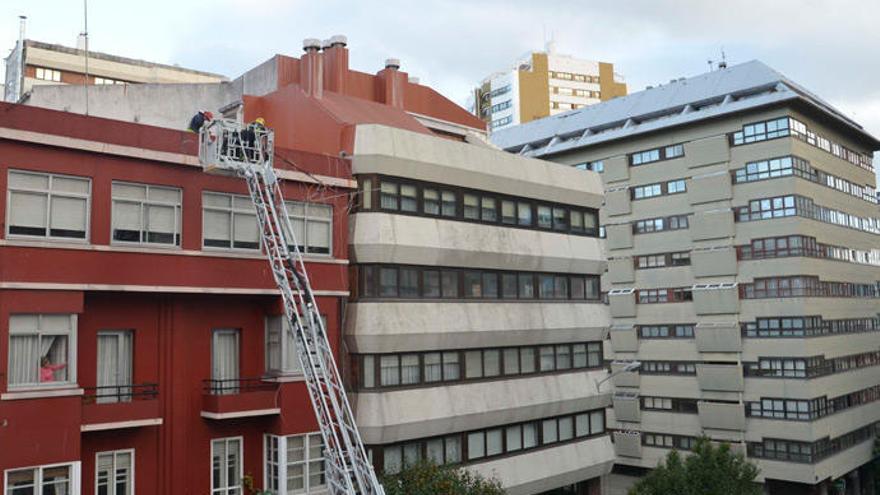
{"x": 141, "y": 342}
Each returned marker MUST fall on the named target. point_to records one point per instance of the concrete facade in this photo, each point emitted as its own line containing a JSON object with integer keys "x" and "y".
{"x": 744, "y": 273}
{"x": 34, "y": 64}
{"x": 489, "y": 417}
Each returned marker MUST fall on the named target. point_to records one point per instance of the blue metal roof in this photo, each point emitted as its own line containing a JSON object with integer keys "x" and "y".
{"x": 733, "y": 89}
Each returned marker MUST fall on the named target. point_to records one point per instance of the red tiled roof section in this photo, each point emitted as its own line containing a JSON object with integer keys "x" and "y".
{"x": 425, "y": 101}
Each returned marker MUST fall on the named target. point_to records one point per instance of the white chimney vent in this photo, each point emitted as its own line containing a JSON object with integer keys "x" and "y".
{"x": 392, "y": 63}
{"x": 311, "y": 43}
{"x": 338, "y": 39}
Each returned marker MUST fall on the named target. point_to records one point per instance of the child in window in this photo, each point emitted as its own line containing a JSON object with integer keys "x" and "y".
{"x": 47, "y": 370}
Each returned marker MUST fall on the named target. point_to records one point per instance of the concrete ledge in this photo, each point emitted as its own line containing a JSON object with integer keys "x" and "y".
{"x": 545, "y": 469}
{"x": 399, "y": 415}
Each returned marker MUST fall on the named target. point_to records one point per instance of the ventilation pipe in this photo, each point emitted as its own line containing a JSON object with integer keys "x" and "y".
{"x": 311, "y": 71}
{"x": 336, "y": 63}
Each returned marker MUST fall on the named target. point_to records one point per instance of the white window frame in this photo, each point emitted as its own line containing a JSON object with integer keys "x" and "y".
{"x": 74, "y": 471}
{"x": 112, "y": 484}
{"x": 144, "y": 204}
{"x": 52, "y": 73}
{"x": 231, "y": 211}
{"x": 225, "y": 490}
{"x": 49, "y": 194}
{"x": 286, "y": 354}
{"x": 71, "y": 356}
{"x": 283, "y": 463}
{"x": 306, "y": 217}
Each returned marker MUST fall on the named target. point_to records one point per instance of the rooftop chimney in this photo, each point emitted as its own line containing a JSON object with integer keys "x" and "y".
{"x": 392, "y": 83}
{"x": 311, "y": 71}
{"x": 22, "y": 22}
{"x": 336, "y": 63}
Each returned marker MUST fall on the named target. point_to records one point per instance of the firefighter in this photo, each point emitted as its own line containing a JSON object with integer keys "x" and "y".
{"x": 199, "y": 119}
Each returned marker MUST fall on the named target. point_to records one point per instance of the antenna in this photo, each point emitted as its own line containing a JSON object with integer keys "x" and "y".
{"x": 723, "y": 63}
{"x": 85, "y": 35}
{"x": 711, "y": 64}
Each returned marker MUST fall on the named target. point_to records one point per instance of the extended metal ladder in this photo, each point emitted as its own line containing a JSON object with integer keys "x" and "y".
{"x": 226, "y": 147}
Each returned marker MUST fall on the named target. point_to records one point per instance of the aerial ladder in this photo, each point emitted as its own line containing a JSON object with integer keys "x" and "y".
{"x": 227, "y": 147}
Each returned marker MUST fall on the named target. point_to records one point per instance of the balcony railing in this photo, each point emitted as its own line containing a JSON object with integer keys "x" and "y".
{"x": 112, "y": 394}
{"x": 239, "y": 397}
{"x": 234, "y": 386}
{"x": 120, "y": 406}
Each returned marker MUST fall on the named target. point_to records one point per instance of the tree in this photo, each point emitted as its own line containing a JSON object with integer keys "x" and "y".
{"x": 709, "y": 470}
{"x": 427, "y": 478}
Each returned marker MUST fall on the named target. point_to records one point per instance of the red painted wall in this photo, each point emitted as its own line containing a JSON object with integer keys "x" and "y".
{"x": 172, "y": 330}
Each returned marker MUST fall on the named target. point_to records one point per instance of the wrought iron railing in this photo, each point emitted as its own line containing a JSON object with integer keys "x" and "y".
{"x": 110, "y": 394}
{"x": 233, "y": 386}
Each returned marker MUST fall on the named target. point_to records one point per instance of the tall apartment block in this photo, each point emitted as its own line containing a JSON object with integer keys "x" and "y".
{"x": 477, "y": 325}
{"x": 142, "y": 347}
{"x": 742, "y": 236}
{"x": 35, "y": 63}
{"x": 541, "y": 84}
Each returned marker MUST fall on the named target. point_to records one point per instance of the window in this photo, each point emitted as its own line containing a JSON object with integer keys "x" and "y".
{"x": 48, "y": 205}
{"x": 226, "y": 466}
{"x": 46, "y": 480}
{"x": 673, "y": 151}
{"x": 649, "y": 191}
{"x": 105, "y": 81}
{"x": 445, "y": 366}
{"x": 281, "y": 353}
{"x": 449, "y": 203}
{"x": 471, "y": 207}
{"x": 44, "y": 74}
{"x": 419, "y": 282}
{"x": 676, "y": 186}
{"x": 524, "y": 214}
{"x": 146, "y": 214}
{"x": 312, "y": 226}
{"x": 229, "y": 221}
{"x": 114, "y": 473}
{"x": 295, "y": 463}
{"x": 647, "y": 226}
{"x": 114, "y": 363}
{"x": 42, "y": 350}
{"x": 389, "y": 195}
{"x": 595, "y": 166}
{"x": 225, "y": 361}
{"x": 431, "y": 201}
{"x": 366, "y": 194}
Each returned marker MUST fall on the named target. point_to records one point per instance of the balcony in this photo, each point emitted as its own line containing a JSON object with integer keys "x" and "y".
{"x": 239, "y": 398}
{"x": 721, "y": 415}
{"x": 121, "y": 406}
{"x": 628, "y": 443}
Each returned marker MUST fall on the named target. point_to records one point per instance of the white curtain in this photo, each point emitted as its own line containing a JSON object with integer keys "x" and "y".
{"x": 114, "y": 366}
{"x": 225, "y": 358}
{"x": 28, "y": 209}
{"x": 24, "y": 359}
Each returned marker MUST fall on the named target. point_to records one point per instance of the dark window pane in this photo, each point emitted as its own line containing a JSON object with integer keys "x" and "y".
{"x": 526, "y": 287}
{"x": 431, "y": 283}
{"x": 409, "y": 282}
{"x": 508, "y": 286}
{"x": 490, "y": 285}
{"x": 450, "y": 284}
{"x": 388, "y": 282}
{"x": 473, "y": 284}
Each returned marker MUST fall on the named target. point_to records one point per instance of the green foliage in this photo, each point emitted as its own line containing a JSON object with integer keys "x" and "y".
{"x": 427, "y": 478}
{"x": 708, "y": 470}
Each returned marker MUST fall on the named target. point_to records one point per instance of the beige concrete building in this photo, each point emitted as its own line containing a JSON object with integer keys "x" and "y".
{"x": 742, "y": 236}
{"x": 476, "y": 326}
{"x": 544, "y": 83}
{"x": 35, "y": 63}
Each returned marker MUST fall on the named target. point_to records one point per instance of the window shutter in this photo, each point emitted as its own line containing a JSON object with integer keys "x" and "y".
{"x": 245, "y": 228}
{"x": 24, "y": 323}
{"x": 28, "y": 181}
{"x": 27, "y": 209}
{"x": 126, "y": 216}
{"x": 129, "y": 191}
{"x": 319, "y": 236}
{"x": 68, "y": 213}
{"x": 216, "y": 225}
{"x": 160, "y": 219}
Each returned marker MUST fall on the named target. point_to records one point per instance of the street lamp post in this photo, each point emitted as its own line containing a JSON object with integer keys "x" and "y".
{"x": 631, "y": 366}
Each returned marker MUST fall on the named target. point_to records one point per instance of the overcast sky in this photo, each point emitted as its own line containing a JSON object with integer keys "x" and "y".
{"x": 829, "y": 46}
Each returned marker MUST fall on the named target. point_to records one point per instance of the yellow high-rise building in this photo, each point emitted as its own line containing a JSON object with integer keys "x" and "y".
{"x": 542, "y": 84}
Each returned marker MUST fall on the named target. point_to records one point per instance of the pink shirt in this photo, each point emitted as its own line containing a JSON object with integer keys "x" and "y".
{"x": 47, "y": 373}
